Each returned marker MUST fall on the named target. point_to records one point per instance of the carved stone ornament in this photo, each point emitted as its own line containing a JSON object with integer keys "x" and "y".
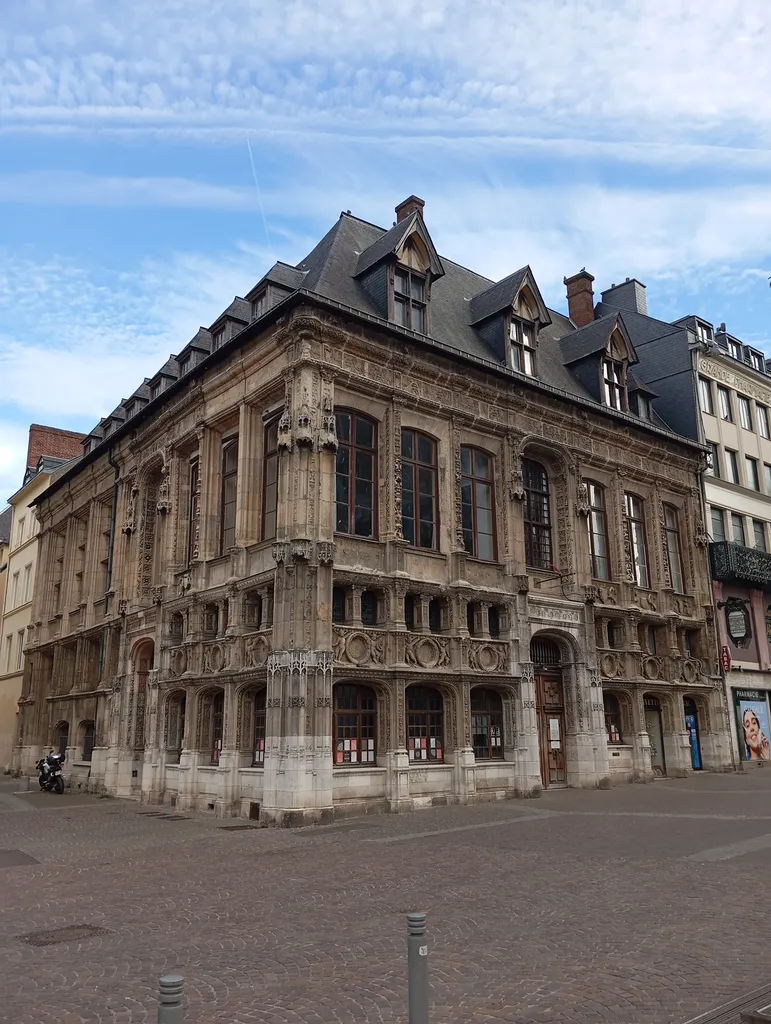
{"x": 591, "y": 594}
{"x": 522, "y": 583}
{"x": 301, "y": 550}
{"x": 325, "y": 552}
{"x": 427, "y": 652}
{"x": 609, "y": 666}
{"x": 256, "y": 651}
{"x": 359, "y": 647}
{"x": 516, "y": 485}
{"x": 163, "y": 502}
{"x": 184, "y": 584}
{"x": 652, "y": 667}
{"x": 129, "y": 521}
{"x": 178, "y": 661}
{"x": 700, "y": 536}
{"x": 122, "y": 607}
{"x": 304, "y": 432}
{"x": 487, "y": 657}
{"x": 582, "y": 507}
{"x": 328, "y": 428}
{"x": 157, "y": 595}
{"x": 280, "y": 552}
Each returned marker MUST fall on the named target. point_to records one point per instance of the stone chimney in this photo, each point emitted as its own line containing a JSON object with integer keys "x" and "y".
{"x": 629, "y": 295}
{"x": 580, "y": 297}
{"x": 410, "y": 205}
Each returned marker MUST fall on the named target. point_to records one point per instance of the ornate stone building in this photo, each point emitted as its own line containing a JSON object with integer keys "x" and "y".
{"x": 386, "y": 534}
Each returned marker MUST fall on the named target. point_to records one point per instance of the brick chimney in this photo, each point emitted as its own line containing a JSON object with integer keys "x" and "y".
{"x": 410, "y": 205}
{"x": 53, "y": 442}
{"x": 580, "y": 297}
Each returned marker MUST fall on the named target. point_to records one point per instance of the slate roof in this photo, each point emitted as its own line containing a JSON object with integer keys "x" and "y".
{"x": 588, "y": 340}
{"x": 5, "y": 524}
{"x": 385, "y": 244}
{"x": 498, "y": 297}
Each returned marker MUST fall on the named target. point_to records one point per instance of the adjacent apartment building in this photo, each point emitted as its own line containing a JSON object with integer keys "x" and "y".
{"x": 20, "y": 572}
{"x": 712, "y": 387}
{"x": 385, "y": 534}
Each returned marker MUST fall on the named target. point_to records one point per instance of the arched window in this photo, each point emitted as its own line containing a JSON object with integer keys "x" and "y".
{"x": 425, "y": 724}
{"x": 175, "y": 726}
{"x": 486, "y": 724}
{"x": 356, "y": 475}
{"x": 212, "y": 723}
{"x": 420, "y": 505}
{"x": 62, "y": 737}
{"x": 537, "y": 515}
{"x": 477, "y": 495}
{"x": 612, "y": 718}
{"x": 88, "y": 740}
{"x": 258, "y": 728}
{"x": 355, "y": 716}
{"x": 598, "y": 531}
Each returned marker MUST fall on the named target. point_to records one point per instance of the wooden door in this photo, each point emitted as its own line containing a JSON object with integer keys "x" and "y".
{"x": 550, "y": 707}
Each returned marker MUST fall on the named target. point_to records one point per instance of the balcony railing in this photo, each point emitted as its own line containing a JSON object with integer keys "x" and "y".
{"x": 735, "y": 563}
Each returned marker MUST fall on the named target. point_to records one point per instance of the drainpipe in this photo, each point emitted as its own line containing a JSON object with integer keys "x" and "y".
{"x": 113, "y": 517}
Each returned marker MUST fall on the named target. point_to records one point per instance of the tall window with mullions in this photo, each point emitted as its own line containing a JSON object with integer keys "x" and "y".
{"x": 425, "y": 719}
{"x": 419, "y": 492}
{"x": 356, "y": 475}
{"x": 537, "y": 515}
{"x": 355, "y": 719}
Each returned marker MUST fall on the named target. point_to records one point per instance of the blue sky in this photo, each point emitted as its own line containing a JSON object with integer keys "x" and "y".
{"x": 627, "y": 137}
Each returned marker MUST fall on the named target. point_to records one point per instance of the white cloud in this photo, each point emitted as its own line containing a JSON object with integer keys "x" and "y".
{"x": 619, "y": 68}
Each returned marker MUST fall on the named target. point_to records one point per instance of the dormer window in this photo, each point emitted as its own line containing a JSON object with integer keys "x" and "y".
{"x": 260, "y": 304}
{"x": 704, "y": 331}
{"x": 155, "y": 389}
{"x": 756, "y": 361}
{"x": 643, "y": 407}
{"x": 734, "y": 349}
{"x": 106, "y": 429}
{"x": 218, "y": 339}
{"x": 410, "y": 299}
{"x": 184, "y": 365}
{"x": 613, "y": 383}
{"x": 522, "y": 336}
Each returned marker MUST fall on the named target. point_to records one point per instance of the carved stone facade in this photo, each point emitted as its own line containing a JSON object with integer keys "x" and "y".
{"x": 226, "y": 670}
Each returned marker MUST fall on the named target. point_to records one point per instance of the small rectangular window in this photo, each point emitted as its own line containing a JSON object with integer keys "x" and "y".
{"x": 763, "y": 424}
{"x": 184, "y": 365}
{"x": 756, "y": 361}
{"x": 731, "y": 466}
{"x": 713, "y": 465}
{"x": 155, "y": 389}
{"x": 724, "y": 404}
{"x": 767, "y": 477}
{"x": 20, "y": 650}
{"x": 260, "y": 305}
{"x": 753, "y": 479}
{"x": 229, "y": 494}
{"x": 734, "y": 349}
{"x": 737, "y": 528}
{"x": 745, "y": 412}
{"x": 705, "y": 396}
{"x": 704, "y": 332}
{"x": 759, "y": 533}
{"x": 613, "y": 383}
{"x": 218, "y": 339}
{"x": 522, "y": 338}
{"x": 718, "y": 524}
{"x": 338, "y": 605}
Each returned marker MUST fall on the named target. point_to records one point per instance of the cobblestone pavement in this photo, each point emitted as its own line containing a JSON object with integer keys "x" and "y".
{"x": 640, "y": 905}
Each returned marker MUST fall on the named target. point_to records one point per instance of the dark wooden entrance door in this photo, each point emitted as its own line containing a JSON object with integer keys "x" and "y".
{"x": 550, "y": 708}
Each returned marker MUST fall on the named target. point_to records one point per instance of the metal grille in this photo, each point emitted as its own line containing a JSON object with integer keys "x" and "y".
{"x": 544, "y": 651}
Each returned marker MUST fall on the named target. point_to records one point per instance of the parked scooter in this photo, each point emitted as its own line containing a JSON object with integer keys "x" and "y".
{"x": 50, "y": 769}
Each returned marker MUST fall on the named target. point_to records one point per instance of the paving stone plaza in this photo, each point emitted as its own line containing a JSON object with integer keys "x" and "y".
{"x": 639, "y": 905}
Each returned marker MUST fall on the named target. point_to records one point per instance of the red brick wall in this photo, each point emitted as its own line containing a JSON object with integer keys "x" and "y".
{"x": 55, "y": 443}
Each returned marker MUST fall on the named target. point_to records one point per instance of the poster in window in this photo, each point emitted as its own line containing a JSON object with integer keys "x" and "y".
{"x": 754, "y": 729}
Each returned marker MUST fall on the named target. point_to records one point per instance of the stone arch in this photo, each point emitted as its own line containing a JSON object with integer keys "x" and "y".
{"x": 86, "y": 740}
{"x": 142, "y": 662}
{"x": 210, "y": 721}
{"x": 449, "y": 698}
{"x": 671, "y": 718}
{"x": 702, "y": 702}
{"x": 174, "y": 712}
{"x": 382, "y": 721}
{"x": 626, "y": 700}
{"x": 566, "y": 643}
{"x": 251, "y": 719}
{"x": 61, "y": 736}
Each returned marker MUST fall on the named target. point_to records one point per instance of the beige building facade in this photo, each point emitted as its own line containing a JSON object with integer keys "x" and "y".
{"x": 387, "y": 534}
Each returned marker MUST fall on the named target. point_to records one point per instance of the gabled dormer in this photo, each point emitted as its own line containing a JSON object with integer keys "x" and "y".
{"x": 599, "y": 356}
{"x": 508, "y": 315}
{"x": 397, "y": 270}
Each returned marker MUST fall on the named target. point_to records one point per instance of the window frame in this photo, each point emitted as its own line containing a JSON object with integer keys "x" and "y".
{"x": 416, "y": 465}
{"x": 432, "y": 722}
{"x": 753, "y": 473}
{"x": 614, "y": 384}
{"x": 359, "y": 713}
{"x": 353, "y": 448}
{"x": 473, "y": 479}
{"x": 407, "y": 301}
{"x": 637, "y": 539}
{"x": 745, "y": 412}
{"x": 229, "y": 444}
{"x": 610, "y": 716}
{"x": 764, "y": 425}
{"x": 523, "y": 340}
{"x": 716, "y": 512}
{"x": 724, "y": 406}
{"x": 193, "y": 504}
{"x": 494, "y": 721}
{"x": 269, "y": 457}
{"x": 737, "y": 525}
{"x": 259, "y": 726}
{"x": 535, "y": 529}
{"x": 600, "y": 512}
{"x": 732, "y": 466}
{"x": 755, "y": 358}
{"x": 674, "y": 547}
{"x": 759, "y": 523}
{"x": 734, "y": 349}
{"x": 706, "y": 398}
{"x": 713, "y": 469}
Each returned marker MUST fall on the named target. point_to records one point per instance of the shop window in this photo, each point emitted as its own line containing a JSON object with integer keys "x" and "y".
{"x": 612, "y": 718}
{"x": 486, "y": 724}
{"x": 425, "y": 720}
{"x": 355, "y": 716}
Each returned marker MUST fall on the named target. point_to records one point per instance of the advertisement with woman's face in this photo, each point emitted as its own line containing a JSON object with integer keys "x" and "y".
{"x": 754, "y": 721}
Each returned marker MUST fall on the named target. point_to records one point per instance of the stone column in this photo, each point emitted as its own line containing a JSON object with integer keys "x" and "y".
{"x": 298, "y": 758}
{"x": 641, "y": 754}
{"x": 397, "y": 759}
{"x": 463, "y": 760}
{"x": 482, "y": 620}
{"x": 421, "y": 614}
{"x": 528, "y": 758}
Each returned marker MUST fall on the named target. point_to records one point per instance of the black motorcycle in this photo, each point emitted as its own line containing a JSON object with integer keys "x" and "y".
{"x": 50, "y": 769}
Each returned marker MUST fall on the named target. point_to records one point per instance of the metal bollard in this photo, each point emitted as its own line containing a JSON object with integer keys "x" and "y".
{"x": 170, "y": 1010}
{"x": 417, "y": 968}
